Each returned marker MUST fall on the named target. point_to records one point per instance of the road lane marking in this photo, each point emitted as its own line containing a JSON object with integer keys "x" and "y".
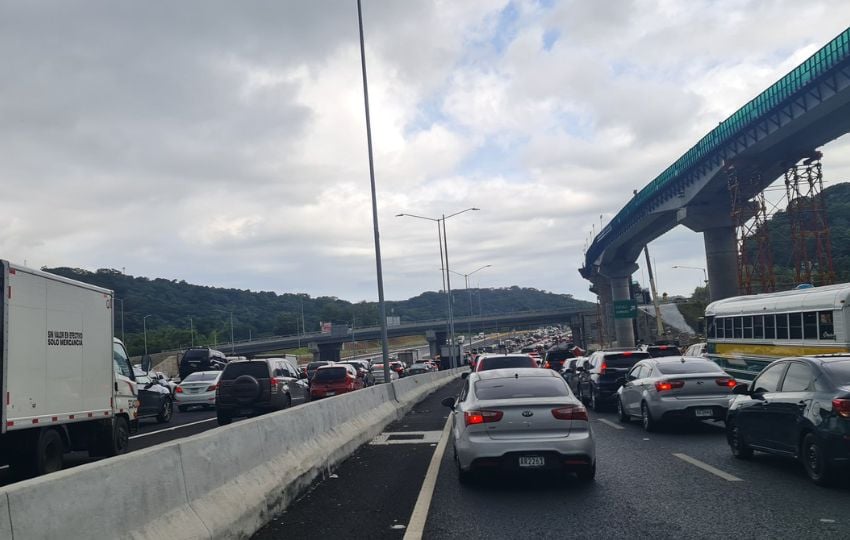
{"x": 610, "y": 423}
{"x": 708, "y": 468}
{"x": 407, "y": 437}
{"x": 416, "y": 525}
{"x": 172, "y": 428}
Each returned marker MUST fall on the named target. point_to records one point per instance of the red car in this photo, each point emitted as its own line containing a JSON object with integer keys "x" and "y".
{"x": 398, "y": 367}
{"x": 335, "y": 379}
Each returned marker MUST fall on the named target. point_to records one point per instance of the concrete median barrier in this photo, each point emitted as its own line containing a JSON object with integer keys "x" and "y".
{"x": 224, "y": 483}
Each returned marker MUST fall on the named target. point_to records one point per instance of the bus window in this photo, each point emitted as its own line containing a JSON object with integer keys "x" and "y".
{"x": 748, "y": 327}
{"x": 825, "y": 327}
{"x": 795, "y": 325}
{"x": 758, "y": 327}
{"x": 718, "y": 323}
{"x": 810, "y": 325}
{"x": 727, "y": 324}
{"x": 769, "y": 327}
{"x": 710, "y": 331}
{"x": 782, "y": 326}
{"x": 739, "y": 327}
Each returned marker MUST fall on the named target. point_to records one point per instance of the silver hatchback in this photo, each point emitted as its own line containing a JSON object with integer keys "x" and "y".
{"x": 520, "y": 419}
{"x": 674, "y": 388}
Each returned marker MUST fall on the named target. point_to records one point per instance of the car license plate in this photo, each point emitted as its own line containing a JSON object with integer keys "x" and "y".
{"x": 531, "y": 461}
{"x": 330, "y": 393}
{"x": 702, "y": 413}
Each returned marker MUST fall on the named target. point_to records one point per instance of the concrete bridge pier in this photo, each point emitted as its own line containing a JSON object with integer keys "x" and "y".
{"x": 436, "y": 340}
{"x": 721, "y": 246}
{"x": 326, "y": 351}
{"x": 620, "y": 277}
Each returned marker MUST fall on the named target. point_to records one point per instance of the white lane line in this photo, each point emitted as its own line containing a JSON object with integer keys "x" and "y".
{"x": 416, "y": 525}
{"x": 610, "y": 423}
{"x": 707, "y": 467}
{"x": 172, "y": 428}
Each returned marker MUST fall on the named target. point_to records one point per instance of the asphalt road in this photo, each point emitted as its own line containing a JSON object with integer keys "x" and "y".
{"x": 679, "y": 483}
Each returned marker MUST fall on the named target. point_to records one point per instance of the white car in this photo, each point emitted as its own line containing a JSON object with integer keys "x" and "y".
{"x": 197, "y": 389}
{"x": 520, "y": 419}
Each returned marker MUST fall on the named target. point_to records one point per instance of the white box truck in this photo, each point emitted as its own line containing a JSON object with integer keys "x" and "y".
{"x": 67, "y": 383}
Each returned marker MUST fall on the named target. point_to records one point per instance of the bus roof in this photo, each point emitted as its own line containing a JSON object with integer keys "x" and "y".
{"x": 828, "y": 297}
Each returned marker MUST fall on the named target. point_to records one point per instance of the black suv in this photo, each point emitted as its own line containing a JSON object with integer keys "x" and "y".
{"x": 201, "y": 359}
{"x": 250, "y": 387}
{"x": 600, "y": 376}
{"x": 555, "y": 358}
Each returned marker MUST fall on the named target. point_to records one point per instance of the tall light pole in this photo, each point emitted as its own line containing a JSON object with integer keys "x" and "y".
{"x": 704, "y": 272}
{"x": 444, "y": 250}
{"x": 382, "y": 309}
{"x": 122, "y": 319}
{"x": 192, "y": 331}
{"x": 145, "y": 329}
{"x": 469, "y": 297}
{"x": 231, "y": 333}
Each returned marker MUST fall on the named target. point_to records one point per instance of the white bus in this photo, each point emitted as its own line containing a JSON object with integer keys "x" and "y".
{"x": 745, "y": 333}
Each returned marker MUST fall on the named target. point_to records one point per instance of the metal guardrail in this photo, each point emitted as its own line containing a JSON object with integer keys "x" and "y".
{"x": 833, "y": 54}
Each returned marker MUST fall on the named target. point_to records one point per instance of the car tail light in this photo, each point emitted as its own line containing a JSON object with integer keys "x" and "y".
{"x": 178, "y": 390}
{"x": 547, "y": 365}
{"x": 842, "y": 407}
{"x": 726, "y": 381}
{"x": 603, "y": 368}
{"x": 662, "y": 386}
{"x": 627, "y": 353}
{"x": 570, "y": 412}
{"x": 212, "y": 388}
{"x": 273, "y": 383}
{"x": 662, "y": 347}
{"x": 481, "y": 417}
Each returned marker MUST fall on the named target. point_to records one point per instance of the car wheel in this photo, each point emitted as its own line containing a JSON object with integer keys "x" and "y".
{"x": 182, "y": 408}
{"x": 223, "y": 418}
{"x": 815, "y": 461}
{"x": 167, "y": 411}
{"x": 49, "y": 450}
{"x": 586, "y": 474}
{"x": 649, "y": 423}
{"x": 621, "y": 412}
{"x": 736, "y": 444}
{"x": 288, "y": 403}
{"x": 594, "y": 401}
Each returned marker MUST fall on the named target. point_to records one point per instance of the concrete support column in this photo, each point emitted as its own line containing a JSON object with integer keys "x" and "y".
{"x": 623, "y": 328}
{"x": 328, "y": 352}
{"x": 721, "y": 257}
{"x": 436, "y": 340}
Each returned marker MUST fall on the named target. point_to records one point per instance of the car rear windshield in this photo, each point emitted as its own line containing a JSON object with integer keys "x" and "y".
{"x": 661, "y": 351}
{"x": 258, "y": 370}
{"x": 558, "y": 356}
{"x": 679, "y": 368}
{"x": 330, "y": 374}
{"x": 196, "y": 354}
{"x": 839, "y": 371}
{"x": 200, "y": 376}
{"x": 500, "y": 362}
{"x": 316, "y": 365}
{"x": 523, "y": 387}
{"x": 624, "y": 360}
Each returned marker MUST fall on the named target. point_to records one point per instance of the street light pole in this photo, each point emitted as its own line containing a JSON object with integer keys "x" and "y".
{"x": 145, "y": 329}
{"x": 231, "y": 333}
{"x": 704, "y": 275}
{"x": 122, "y": 319}
{"x": 469, "y": 297}
{"x": 382, "y": 309}
{"x": 192, "y": 331}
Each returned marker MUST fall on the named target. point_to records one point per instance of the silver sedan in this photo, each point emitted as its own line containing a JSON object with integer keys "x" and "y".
{"x": 674, "y": 388}
{"x": 520, "y": 419}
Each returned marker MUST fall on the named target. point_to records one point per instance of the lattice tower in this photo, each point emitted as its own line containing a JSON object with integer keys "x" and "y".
{"x": 749, "y": 215}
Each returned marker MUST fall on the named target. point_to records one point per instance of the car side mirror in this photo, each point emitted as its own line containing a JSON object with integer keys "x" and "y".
{"x": 741, "y": 390}
{"x": 449, "y": 402}
{"x": 621, "y": 381}
{"x": 464, "y": 375}
{"x": 631, "y": 377}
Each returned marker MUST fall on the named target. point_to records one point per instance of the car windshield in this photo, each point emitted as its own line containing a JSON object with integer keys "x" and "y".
{"x": 500, "y": 362}
{"x": 330, "y": 374}
{"x": 839, "y": 371}
{"x": 624, "y": 360}
{"x": 678, "y": 368}
{"x": 558, "y": 356}
{"x": 258, "y": 370}
{"x": 521, "y": 387}
{"x": 201, "y": 376}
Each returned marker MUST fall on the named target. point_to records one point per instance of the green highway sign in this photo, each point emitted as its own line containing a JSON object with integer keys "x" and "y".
{"x": 625, "y": 309}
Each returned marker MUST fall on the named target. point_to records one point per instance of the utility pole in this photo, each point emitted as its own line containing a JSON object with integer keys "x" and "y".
{"x": 659, "y": 322}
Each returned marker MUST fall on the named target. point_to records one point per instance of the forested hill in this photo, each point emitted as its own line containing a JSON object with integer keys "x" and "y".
{"x": 837, "y": 199}
{"x": 172, "y": 303}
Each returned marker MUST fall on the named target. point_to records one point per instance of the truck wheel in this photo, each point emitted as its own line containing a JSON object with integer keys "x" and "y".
{"x": 119, "y": 441}
{"x": 48, "y": 452}
{"x": 166, "y": 412}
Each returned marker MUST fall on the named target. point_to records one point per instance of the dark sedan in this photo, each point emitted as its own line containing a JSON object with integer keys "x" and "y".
{"x": 799, "y": 408}
{"x": 154, "y": 399}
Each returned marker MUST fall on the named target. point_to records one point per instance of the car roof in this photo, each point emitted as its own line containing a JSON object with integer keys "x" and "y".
{"x": 509, "y": 373}
{"x": 501, "y": 355}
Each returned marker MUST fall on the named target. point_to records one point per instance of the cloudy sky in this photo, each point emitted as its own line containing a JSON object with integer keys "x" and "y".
{"x": 223, "y": 143}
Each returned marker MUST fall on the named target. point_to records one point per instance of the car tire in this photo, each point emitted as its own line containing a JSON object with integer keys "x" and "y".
{"x": 736, "y": 444}
{"x": 288, "y": 403}
{"x": 815, "y": 462}
{"x": 48, "y": 452}
{"x": 622, "y": 415}
{"x": 223, "y": 418}
{"x": 166, "y": 413}
{"x": 648, "y": 422}
{"x": 182, "y": 408}
{"x": 595, "y": 404}
{"x": 586, "y": 474}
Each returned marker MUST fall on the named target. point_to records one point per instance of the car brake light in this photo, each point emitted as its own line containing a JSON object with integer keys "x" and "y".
{"x": 570, "y": 412}
{"x": 212, "y": 388}
{"x": 627, "y": 353}
{"x": 662, "y": 347}
{"x": 603, "y": 368}
{"x": 547, "y": 365}
{"x": 726, "y": 381}
{"x": 481, "y": 417}
{"x": 178, "y": 390}
{"x": 662, "y": 386}
{"x": 842, "y": 407}
{"x": 273, "y": 382}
